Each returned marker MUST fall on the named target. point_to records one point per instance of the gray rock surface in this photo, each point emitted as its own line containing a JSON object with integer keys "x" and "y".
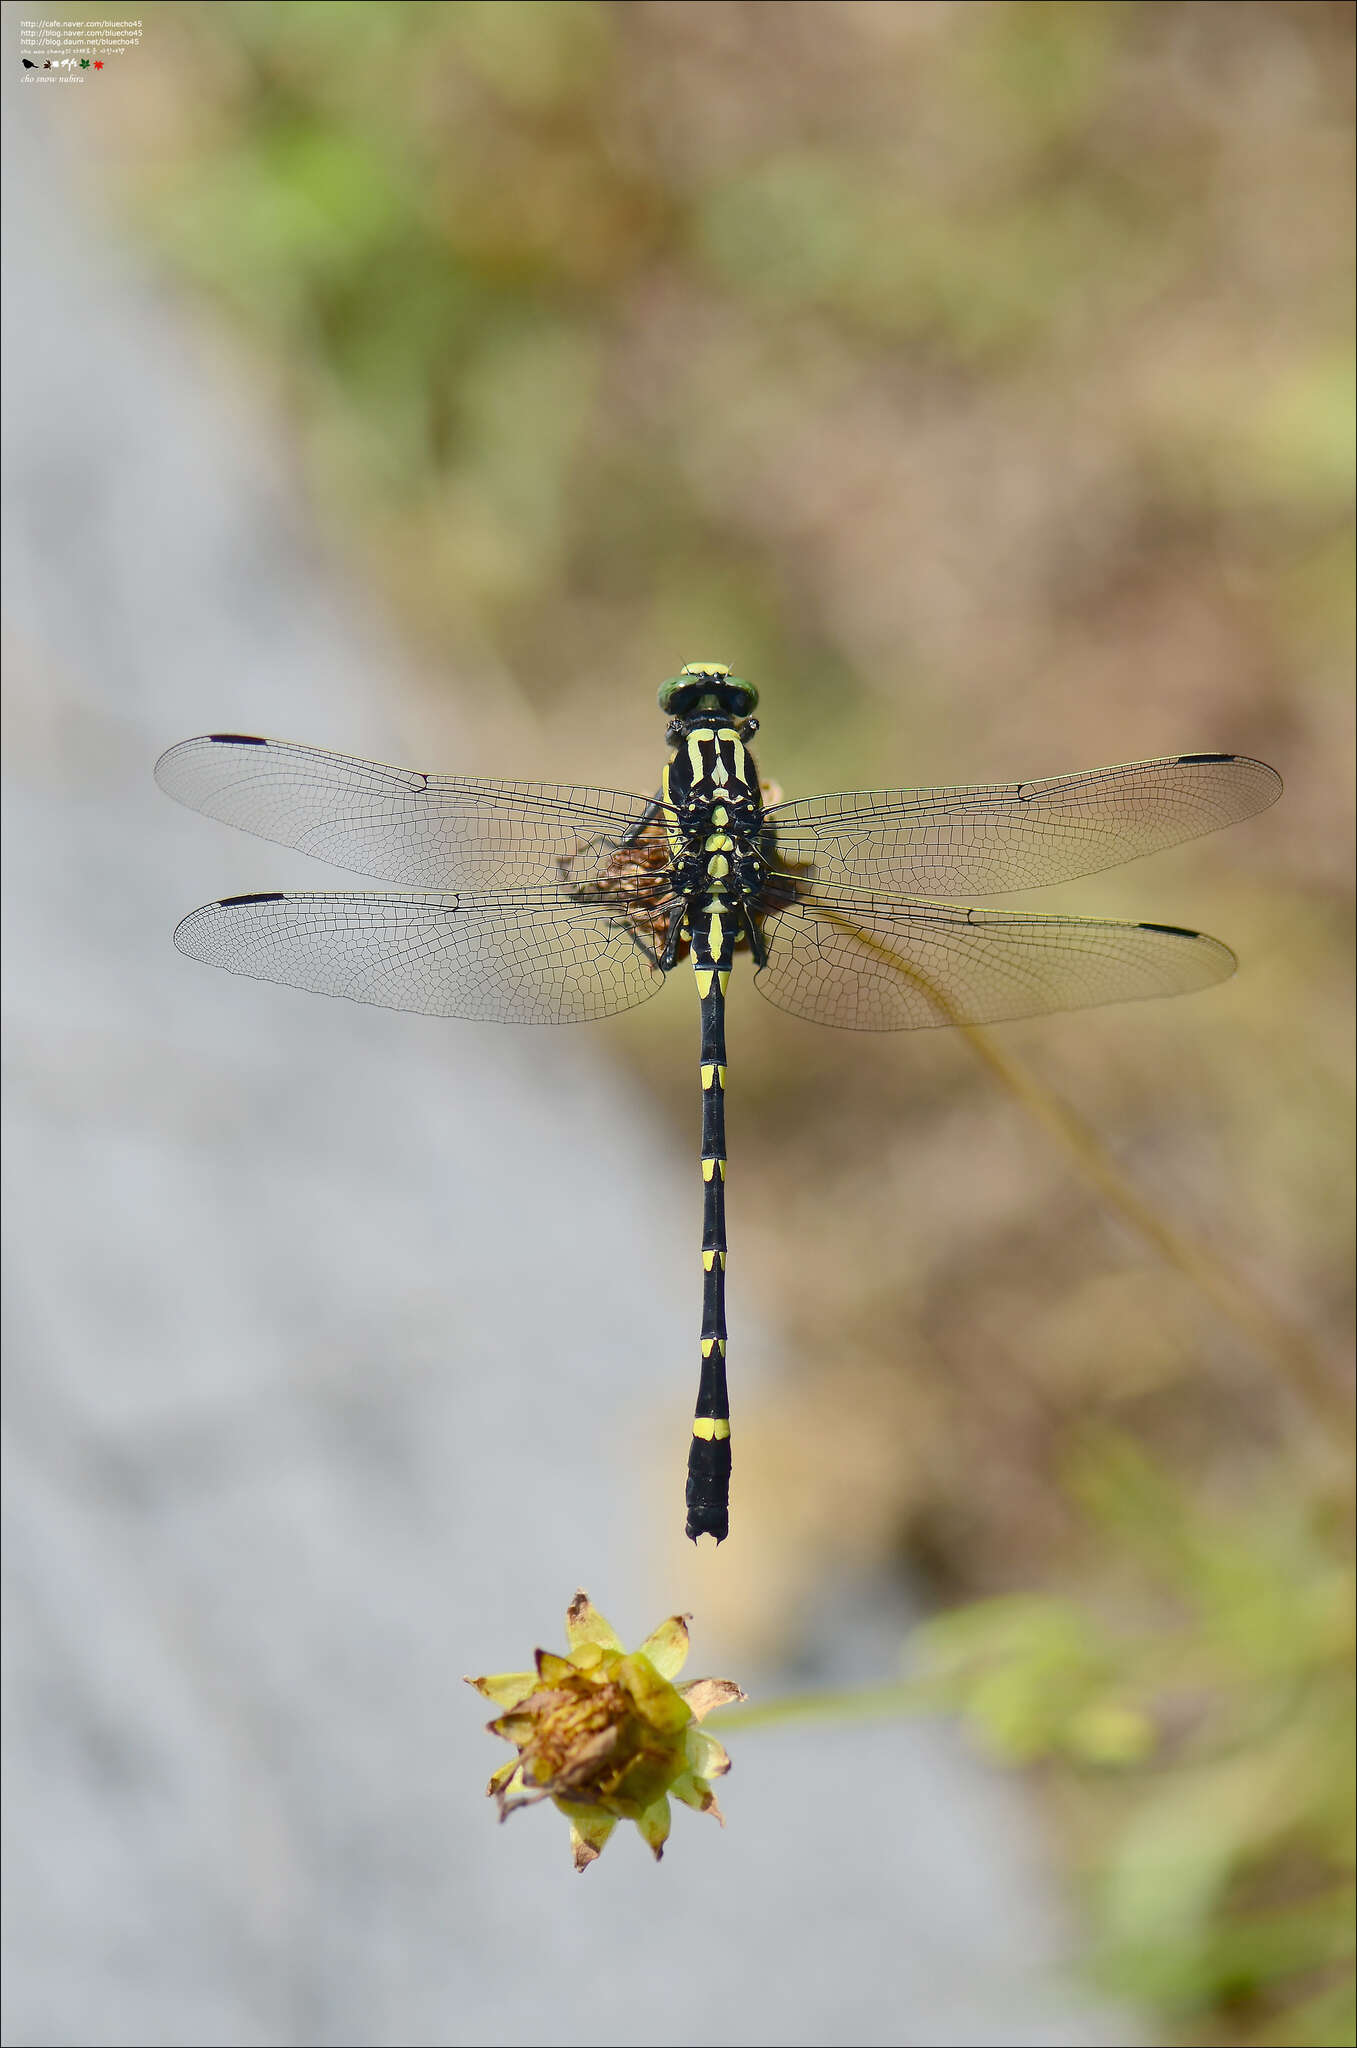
{"x": 309, "y": 1306}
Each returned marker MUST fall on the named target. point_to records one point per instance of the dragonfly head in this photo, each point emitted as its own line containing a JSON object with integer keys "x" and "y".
{"x": 707, "y": 686}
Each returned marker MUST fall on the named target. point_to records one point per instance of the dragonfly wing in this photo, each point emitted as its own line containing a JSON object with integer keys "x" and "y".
{"x": 869, "y": 964}
{"x": 533, "y": 957}
{"x": 1019, "y": 835}
{"x": 431, "y": 831}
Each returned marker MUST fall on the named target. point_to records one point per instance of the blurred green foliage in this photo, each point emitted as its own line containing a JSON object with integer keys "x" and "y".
{"x": 977, "y": 378}
{"x": 1219, "y": 1864}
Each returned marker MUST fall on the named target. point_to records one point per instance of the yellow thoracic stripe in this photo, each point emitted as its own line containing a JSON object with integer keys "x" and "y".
{"x": 736, "y": 748}
{"x": 711, "y": 1428}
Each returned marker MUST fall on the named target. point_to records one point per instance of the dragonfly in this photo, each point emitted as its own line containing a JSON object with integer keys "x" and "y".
{"x": 535, "y": 903}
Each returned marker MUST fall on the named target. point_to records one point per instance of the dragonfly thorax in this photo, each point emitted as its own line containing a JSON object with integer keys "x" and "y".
{"x": 711, "y": 768}
{"x": 715, "y": 809}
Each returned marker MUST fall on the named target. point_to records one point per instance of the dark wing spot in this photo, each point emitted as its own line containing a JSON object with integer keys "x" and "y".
{"x": 237, "y": 739}
{"x": 1179, "y": 931}
{"x": 271, "y": 896}
{"x": 1208, "y": 757}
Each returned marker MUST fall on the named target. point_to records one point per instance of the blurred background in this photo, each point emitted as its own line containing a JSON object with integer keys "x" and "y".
{"x": 430, "y": 381}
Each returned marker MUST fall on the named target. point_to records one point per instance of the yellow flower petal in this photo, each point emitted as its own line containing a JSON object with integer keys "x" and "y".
{"x": 702, "y": 1694}
{"x": 655, "y": 1698}
{"x": 506, "y": 1688}
{"x": 552, "y": 1669}
{"x": 511, "y": 1791}
{"x": 654, "y": 1826}
{"x": 667, "y": 1648}
{"x": 513, "y": 1726}
{"x": 693, "y": 1791}
{"x": 584, "y": 1624}
{"x": 589, "y": 1831}
{"x": 706, "y": 1758}
{"x": 698, "y": 1794}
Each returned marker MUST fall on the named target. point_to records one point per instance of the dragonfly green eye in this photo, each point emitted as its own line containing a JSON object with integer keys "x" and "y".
{"x": 707, "y": 686}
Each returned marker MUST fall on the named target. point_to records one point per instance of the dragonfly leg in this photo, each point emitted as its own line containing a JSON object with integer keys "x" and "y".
{"x": 755, "y": 936}
{"x": 678, "y": 918}
{"x": 652, "y": 811}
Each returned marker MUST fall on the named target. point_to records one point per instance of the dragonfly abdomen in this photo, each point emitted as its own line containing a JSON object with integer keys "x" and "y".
{"x": 712, "y": 791}
{"x": 709, "y": 1453}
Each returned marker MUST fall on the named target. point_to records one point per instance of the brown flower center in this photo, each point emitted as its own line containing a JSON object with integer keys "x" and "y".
{"x": 589, "y": 1745}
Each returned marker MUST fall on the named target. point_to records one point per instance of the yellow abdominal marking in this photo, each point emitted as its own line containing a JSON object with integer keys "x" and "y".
{"x": 710, "y": 1344}
{"x": 709, "y": 1259}
{"x": 709, "y": 1166}
{"x": 715, "y": 933}
{"x": 724, "y": 979}
{"x": 711, "y": 1429}
{"x": 702, "y": 976}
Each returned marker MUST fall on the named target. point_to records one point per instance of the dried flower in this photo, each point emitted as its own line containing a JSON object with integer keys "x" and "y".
{"x": 607, "y": 1735}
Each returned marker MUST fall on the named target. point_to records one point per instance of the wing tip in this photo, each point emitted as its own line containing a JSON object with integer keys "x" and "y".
{"x": 209, "y": 739}
{"x": 1224, "y": 960}
{"x": 191, "y": 927}
{"x": 1271, "y": 782}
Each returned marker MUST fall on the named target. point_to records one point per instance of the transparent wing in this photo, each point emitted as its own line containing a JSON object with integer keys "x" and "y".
{"x": 435, "y": 831}
{"x": 869, "y": 964}
{"x": 1020, "y": 835}
{"x": 535, "y": 957}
